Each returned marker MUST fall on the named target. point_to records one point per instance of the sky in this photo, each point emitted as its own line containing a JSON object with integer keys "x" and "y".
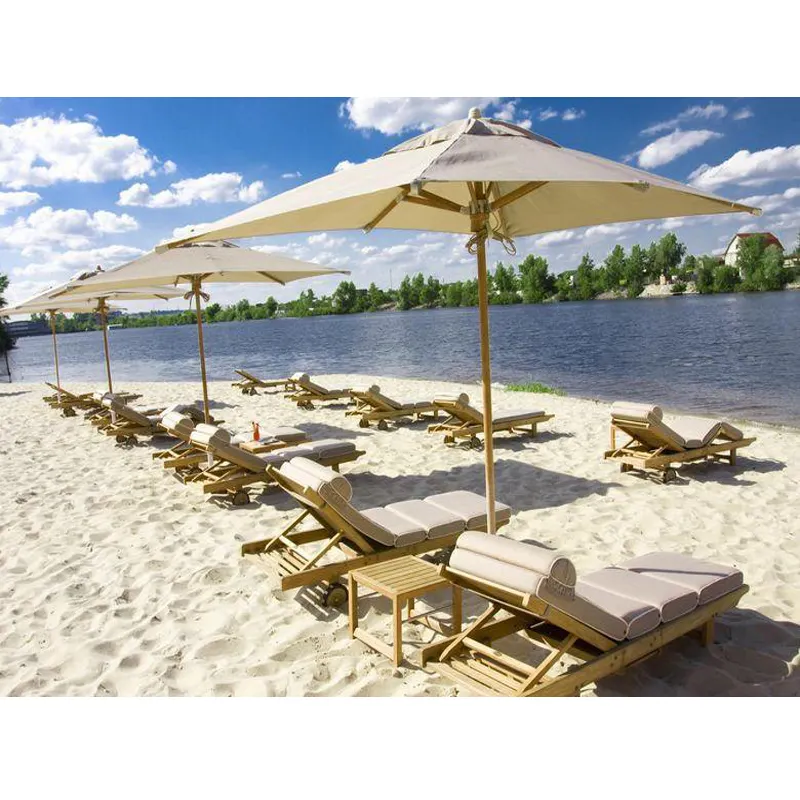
{"x": 87, "y": 182}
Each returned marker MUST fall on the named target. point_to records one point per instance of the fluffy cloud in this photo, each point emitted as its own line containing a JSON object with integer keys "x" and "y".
{"x": 771, "y": 202}
{"x": 742, "y": 113}
{"x": 672, "y": 146}
{"x": 344, "y": 165}
{"x": 41, "y": 151}
{"x": 9, "y": 200}
{"x": 750, "y": 169}
{"x": 216, "y": 187}
{"x": 72, "y": 261}
{"x": 169, "y": 167}
{"x": 393, "y": 115}
{"x": 555, "y": 238}
{"x": 71, "y": 228}
{"x": 509, "y": 112}
{"x": 710, "y": 111}
{"x": 289, "y": 175}
{"x": 570, "y": 115}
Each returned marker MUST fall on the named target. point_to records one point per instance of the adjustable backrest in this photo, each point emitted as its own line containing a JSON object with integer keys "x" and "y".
{"x": 644, "y": 423}
{"x": 381, "y": 400}
{"x": 178, "y": 425}
{"x": 458, "y": 406}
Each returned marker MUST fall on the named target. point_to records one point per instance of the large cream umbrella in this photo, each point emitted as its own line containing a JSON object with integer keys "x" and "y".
{"x": 198, "y": 264}
{"x": 482, "y": 177}
{"x": 54, "y": 301}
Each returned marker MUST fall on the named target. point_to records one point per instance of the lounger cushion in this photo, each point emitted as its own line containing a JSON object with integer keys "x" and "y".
{"x": 470, "y": 507}
{"x": 521, "y": 417}
{"x": 375, "y": 391}
{"x": 636, "y": 411}
{"x": 331, "y": 448}
{"x": 177, "y": 424}
{"x": 671, "y": 600}
{"x": 698, "y": 432}
{"x": 728, "y": 431}
{"x": 708, "y": 579}
{"x": 300, "y": 377}
{"x": 434, "y": 520}
{"x": 388, "y": 527}
{"x": 314, "y": 477}
{"x": 287, "y": 454}
{"x": 210, "y": 435}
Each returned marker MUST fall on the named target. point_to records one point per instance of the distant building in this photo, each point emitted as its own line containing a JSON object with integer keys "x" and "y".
{"x": 732, "y": 250}
{"x": 27, "y": 327}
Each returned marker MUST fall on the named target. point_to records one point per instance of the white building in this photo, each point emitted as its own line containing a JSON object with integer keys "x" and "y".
{"x": 732, "y": 250}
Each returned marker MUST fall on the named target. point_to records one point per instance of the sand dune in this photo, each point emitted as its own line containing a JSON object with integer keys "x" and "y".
{"x": 115, "y": 579}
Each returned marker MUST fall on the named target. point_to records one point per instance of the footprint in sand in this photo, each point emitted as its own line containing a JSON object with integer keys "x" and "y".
{"x": 229, "y": 646}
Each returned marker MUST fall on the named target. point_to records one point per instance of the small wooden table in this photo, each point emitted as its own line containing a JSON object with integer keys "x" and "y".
{"x": 262, "y": 446}
{"x": 402, "y": 580}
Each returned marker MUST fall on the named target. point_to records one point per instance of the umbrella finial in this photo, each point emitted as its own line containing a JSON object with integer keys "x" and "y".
{"x": 475, "y": 113}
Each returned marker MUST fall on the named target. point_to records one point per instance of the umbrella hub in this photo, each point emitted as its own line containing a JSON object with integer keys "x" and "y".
{"x": 475, "y": 113}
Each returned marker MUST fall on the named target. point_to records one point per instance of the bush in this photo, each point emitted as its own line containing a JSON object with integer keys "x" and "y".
{"x": 535, "y": 387}
{"x": 678, "y": 288}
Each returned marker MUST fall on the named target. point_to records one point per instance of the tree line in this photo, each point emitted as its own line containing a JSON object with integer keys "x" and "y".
{"x": 6, "y": 340}
{"x": 623, "y": 273}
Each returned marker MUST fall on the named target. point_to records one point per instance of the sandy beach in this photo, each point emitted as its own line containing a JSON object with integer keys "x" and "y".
{"x": 116, "y": 579}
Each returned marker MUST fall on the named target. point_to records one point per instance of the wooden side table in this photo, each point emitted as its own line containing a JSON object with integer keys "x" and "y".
{"x": 267, "y": 446}
{"x": 402, "y": 580}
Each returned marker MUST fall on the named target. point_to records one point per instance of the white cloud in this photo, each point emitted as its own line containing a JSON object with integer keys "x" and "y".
{"x": 710, "y": 111}
{"x": 289, "y": 175}
{"x": 572, "y": 114}
{"x": 557, "y": 237}
{"x": 569, "y": 115}
{"x": 72, "y": 228}
{"x": 393, "y": 115}
{"x": 9, "y": 200}
{"x": 616, "y": 229}
{"x": 41, "y": 151}
{"x": 183, "y": 231}
{"x": 672, "y": 146}
{"x": 509, "y": 112}
{"x": 326, "y": 240}
{"x": 169, "y": 167}
{"x": 546, "y": 114}
{"x": 742, "y": 113}
{"x": 344, "y": 165}
{"x": 750, "y": 169}
{"x": 770, "y": 202}
{"x": 216, "y": 187}
{"x": 66, "y": 263}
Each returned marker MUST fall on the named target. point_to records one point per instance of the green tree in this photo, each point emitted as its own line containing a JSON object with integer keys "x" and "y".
{"x": 418, "y": 289}
{"x": 271, "y": 307}
{"x": 773, "y": 275}
{"x": 748, "y": 261}
{"x": 374, "y": 297}
{"x": 469, "y": 293}
{"x": 243, "y": 311}
{"x": 565, "y": 288}
{"x": 212, "y": 310}
{"x": 688, "y": 269}
{"x": 726, "y": 278}
{"x": 429, "y": 295}
{"x": 505, "y": 285}
{"x": 584, "y": 279}
{"x": 535, "y": 281}
{"x": 668, "y": 254}
{"x": 345, "y": 298}
{"x": 6, "y": 341}
{"x": 636, "y": 271}
{"x": 704, "y": 274}
{"x": 616, "y": 264}
{"x": 452, "y": 294}
{"x": 405, "y": 294}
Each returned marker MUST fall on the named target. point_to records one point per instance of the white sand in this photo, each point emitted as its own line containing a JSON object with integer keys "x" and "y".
{"x": 117, "y": 579}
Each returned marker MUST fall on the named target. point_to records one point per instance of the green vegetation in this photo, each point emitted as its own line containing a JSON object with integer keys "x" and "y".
{"x": 535, "y": 388}
{"x": 6, "y": 340}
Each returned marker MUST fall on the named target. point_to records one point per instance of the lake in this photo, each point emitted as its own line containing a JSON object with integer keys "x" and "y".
{"x": 737, "y": 354}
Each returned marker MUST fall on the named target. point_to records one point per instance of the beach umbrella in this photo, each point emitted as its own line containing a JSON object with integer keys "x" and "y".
{"x": 485, "y": 178}
{"x": 196, "y": 265}
{"x": 54, "y": 301}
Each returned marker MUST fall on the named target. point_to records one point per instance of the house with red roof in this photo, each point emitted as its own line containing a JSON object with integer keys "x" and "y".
{"x": 732, "y": 250}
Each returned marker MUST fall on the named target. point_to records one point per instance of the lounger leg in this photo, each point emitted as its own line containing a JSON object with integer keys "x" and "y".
{"x": 708, "y": 633}
{"x": 457, "y": 614}
{"x": 352, "y": 600}
{"x": 732, "y": 458}
{"x": 397, "y": 614}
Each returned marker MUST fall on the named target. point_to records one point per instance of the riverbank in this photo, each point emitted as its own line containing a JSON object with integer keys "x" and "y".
{"x": 116, "y": 579}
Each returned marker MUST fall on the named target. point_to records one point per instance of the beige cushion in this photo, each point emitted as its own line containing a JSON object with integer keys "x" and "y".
{"x": 390, "y": 528}
{"x": 131, "y": 414}
{"x": 698, "y": 431}
{"x": 520, "y": 417}
{"x": 433, "y": 520}
{"x": 300, "y": 377}
{"x": 470, "y": 507}
{"x": 331, "y": 448}
{"x": 387, "y": 401}
{"x": 636, "y": 411}
{"x": 279, "y": 457}
{"x": 284, "y": 433}
{"x": 210, "y": 435}
{"x": 177, "y": 424}
{"x": 708, "y": 579}
{"x": 671, "y": 600}
{"x": 313, "y": 476}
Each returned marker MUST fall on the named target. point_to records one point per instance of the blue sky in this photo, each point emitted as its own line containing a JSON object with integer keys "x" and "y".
{"x": 98, "y": 181}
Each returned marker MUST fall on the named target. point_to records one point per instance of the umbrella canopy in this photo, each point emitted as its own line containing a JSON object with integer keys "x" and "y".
{"x": 55, "y": 300}
{"x": 483, "y": 177}
{"x": 198, "y": 264}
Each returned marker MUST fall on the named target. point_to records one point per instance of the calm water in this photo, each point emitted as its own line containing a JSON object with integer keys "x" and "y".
{"x": 731, "y": 354}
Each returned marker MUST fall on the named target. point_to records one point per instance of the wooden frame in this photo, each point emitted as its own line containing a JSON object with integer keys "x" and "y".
{"x": 646, "y": 449}
{"x": 249, "y": 382}
{"x": 372, "y": 409}
{"x": 461, "y": 424}
{"x": 306, "y": 394}
{"x": 283, "y": 553}
{"x": 468, "y": 658}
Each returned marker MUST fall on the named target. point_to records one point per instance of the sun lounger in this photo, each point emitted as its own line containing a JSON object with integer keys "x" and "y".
{"x": 126, "y": 422}
{"x": 305, "y": 392}
{"x": 234, "y": 468}
{"x": 608, "y": 619}
{"x": 372, "y": 406}
{"x": 466, "y": 421}
{"x": 249, "y": 383}
{"x": 187, "y": 458}
{"x": 67, "y": 401}
{"x": 357, "y": 538}
{"x": 655, "y": 444}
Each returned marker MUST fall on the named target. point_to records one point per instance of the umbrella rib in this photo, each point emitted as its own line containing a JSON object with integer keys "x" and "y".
{"x": 494, "y": 190}
{"x": 517, "y": 193}
{"x": 402, "y": 195}
{"x": 272, "y": 278}
{"x": 424, "y": 197}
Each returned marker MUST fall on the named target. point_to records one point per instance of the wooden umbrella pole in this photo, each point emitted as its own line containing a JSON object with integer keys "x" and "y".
{"x": 196, "y": 290}
{"x": 102, "y": 310}
{"x": 55, "y": 351}
{"x": 479, "y": 225}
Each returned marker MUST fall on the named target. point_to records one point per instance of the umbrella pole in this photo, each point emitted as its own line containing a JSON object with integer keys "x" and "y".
{"x": 102, "y": 310}
{"x": 196, "y": 290}
{"x": 486, "y": 379}
{"x": 55, "y": 352}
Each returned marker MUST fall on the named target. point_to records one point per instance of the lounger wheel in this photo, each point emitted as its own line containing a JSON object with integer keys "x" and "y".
{"x": 383, "y": 425}
{"x": 241, "y": 497}
{"x": 69, "y": 412}
{"x": 363, "y": 423}
{"x": 250, "y": 391}
{"x": 449, "y": 439}
{"x": 335, "y": 596}
{"x": 475, "y": 443}
{"x": 669, "y": 475}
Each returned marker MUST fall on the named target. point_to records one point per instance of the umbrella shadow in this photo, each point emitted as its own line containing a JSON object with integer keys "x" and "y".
{"x": 15, "y": 394}
{"x": 321, "y": 430}
{"x": 716, "y": 472}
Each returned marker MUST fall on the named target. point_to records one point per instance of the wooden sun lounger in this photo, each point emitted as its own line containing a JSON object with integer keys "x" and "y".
{"x": 652, "y": 444}
{"x": 372, "y": 406}
{"x": 249, "y": 383}
{"x": 469, "y": 658}
{"x": 305, "y": 392}
{"x": 67, "y": 401}
{"x": 127, "y": 423}
{"x": 466, "y": 421}
{"x": 233, "y": 468}
{"x": 345, "y": 538}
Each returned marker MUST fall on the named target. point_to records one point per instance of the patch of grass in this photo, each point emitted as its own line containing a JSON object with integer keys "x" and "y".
{"x": 536, "y": 388}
